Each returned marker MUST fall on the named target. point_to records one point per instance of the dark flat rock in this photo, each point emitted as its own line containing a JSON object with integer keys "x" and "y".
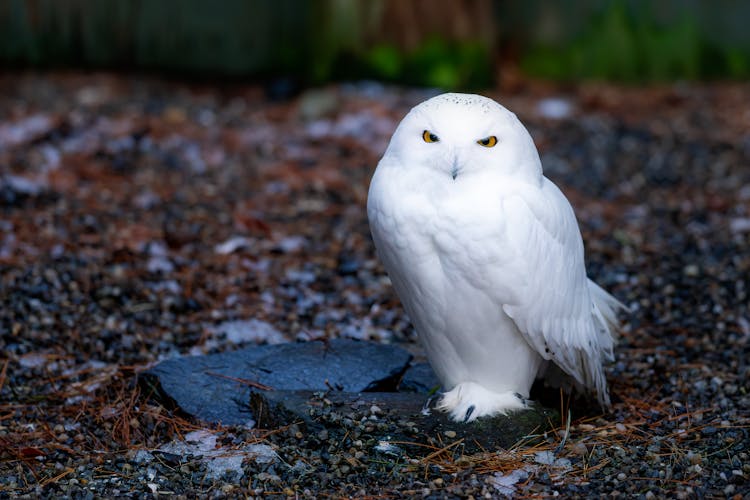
{"x": 216, "y": 388}
{"x": 419, "y": 378}
{"x": 336, "y": 387}
{"x": 396, "y": 420}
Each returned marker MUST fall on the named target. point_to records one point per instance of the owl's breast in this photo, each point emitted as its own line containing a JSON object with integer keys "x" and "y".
{"x": 443, "y": 248}
{"x": 425, "y": 226}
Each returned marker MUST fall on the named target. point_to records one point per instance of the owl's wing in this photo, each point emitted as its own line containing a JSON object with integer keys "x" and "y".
{"x": 563, "y": 315}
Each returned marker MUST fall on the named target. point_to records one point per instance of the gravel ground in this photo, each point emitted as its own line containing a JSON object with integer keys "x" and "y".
{"x": 140, "y": 217}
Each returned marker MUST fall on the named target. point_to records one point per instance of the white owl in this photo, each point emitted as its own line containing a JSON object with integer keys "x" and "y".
{"x": 486, "y": 256}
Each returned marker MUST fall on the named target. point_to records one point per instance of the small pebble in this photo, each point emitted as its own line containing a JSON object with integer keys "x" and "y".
{"x": 691, "y": 270}
{"x": 580, "y": 449}
{"x": 450, "y": 434}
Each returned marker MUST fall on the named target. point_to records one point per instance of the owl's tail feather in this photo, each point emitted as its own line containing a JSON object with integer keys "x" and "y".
{"x": 585, "y": 370}
{"x": 605, "y": 309}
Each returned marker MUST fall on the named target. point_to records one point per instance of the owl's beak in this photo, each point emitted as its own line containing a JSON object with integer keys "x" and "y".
{"x": 455, "y": 167}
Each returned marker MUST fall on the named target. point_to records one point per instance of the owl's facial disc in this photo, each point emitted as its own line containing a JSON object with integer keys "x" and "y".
{"x": 458, "y": 157}
{"x": 455, "y": 142}
{"x": 452, "y": 136}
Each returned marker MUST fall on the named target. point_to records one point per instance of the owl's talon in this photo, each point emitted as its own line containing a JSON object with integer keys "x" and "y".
{"x": 469, "y": 412}
{"x": 524, "y": 400}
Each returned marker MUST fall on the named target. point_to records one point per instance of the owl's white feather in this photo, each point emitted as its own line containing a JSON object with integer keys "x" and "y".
{"x": 486, "y": 256}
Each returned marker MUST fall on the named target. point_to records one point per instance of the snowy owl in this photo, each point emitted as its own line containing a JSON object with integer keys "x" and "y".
{"x": 487, "y": 258}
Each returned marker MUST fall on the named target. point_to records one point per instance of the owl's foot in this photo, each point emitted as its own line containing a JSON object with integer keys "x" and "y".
{"x": 469, "y": 401}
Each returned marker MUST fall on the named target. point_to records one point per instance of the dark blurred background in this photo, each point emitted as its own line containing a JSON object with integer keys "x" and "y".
{"x": 441, "y": 43}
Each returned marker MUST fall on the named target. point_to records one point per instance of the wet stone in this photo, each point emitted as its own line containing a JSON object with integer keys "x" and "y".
{"x": 419, "y": 378}
{"x": 327, "y": 388}
{"x": 216, "y": 388}
{"x": 407, "y": 418}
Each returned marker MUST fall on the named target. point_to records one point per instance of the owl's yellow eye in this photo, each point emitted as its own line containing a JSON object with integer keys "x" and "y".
{"x": 429, "y": 136}
{"x": 488, "y": 142}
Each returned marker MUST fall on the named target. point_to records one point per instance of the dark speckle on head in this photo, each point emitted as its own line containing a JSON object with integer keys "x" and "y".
{"x": 476, "y": 102}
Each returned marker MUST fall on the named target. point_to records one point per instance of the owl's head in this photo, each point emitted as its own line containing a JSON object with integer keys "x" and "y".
{"x": 464, "y": 134}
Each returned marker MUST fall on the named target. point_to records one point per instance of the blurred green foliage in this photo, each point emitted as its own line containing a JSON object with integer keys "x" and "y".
{"x": 625, "y": 42}
{"x": 435, "y": 62}
{"x": 319, "y": 40}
